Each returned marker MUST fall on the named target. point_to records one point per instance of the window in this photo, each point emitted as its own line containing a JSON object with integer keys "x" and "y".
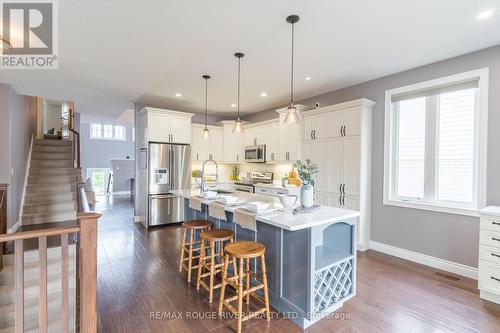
{"x": 120, "y": 133}
{"x": 108, "y": 132}
{"x": 435, "y": 144}
{"x": 95, "y": 131}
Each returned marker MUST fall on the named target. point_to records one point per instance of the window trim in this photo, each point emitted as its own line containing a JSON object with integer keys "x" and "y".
{"x": 92, "y": 131}
{"x": 124, "y": 133}
{"x": 481, "y": 137}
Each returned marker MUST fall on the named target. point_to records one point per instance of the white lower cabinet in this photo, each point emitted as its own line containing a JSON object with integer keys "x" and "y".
{"x": 489, "y": 254}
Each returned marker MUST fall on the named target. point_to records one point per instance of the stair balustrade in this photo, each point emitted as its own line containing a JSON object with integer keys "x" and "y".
{"x": 86, "y": 274}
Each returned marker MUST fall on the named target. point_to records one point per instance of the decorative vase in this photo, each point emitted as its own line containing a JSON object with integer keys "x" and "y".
{"x": 307, "y": 196}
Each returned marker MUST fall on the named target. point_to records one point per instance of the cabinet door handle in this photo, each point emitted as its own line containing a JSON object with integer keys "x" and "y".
{"x": 343, "y": 200}
{"x": 340, "y": 200}
{"x": 495, "y": 239}
{"x": 495, "y": 223}
{"x": 197, "y": 157}
{"x": 341, "y": 132}
{"x": 237, "y": 157}
{"x": 343, "y": 188}
{"x": 495, "y": 255}
{"x": 312, "y": 135}
{"x": 494, "y": 278}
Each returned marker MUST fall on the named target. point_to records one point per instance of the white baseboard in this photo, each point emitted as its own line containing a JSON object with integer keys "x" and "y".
{"x": 14, "y": 227}
{"x": 122, "y": 193}
{"x": 445, "y": 265}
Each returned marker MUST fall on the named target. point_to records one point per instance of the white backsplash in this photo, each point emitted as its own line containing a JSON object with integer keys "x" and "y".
{"x": 225, "y": 170}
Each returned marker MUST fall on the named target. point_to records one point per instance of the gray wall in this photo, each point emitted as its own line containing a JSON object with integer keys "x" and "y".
{"x": 446, "y": 236}
{"x": 123, "y": 171}
{"x": 17, "y": 114}
{"x": 99, "y": 153}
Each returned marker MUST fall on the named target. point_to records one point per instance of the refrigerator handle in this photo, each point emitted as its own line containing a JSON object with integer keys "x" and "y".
{"x": 171, "y": 161}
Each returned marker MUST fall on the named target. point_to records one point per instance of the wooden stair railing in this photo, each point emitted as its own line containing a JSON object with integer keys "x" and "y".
{"x": 86, "y": 298}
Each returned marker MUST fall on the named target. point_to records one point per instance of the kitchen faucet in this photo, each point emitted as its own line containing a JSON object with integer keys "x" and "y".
{"x": 202, "y": 187}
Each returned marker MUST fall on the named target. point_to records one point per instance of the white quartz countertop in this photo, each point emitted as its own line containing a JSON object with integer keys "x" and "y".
{"x": 277, "y": 186}
{"x": 282, "y": 219}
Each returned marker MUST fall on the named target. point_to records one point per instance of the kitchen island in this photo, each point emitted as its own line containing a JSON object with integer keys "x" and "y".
{"x": 310, "y": 257}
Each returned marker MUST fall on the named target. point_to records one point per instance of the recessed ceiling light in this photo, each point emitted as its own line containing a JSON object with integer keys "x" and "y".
{"x": 263, "y": 94}
{"x": 308, "y": 78}
{"x": 233, "y": 105}
{"x": 178, "y": 95}
{"x": 485, "y": 14}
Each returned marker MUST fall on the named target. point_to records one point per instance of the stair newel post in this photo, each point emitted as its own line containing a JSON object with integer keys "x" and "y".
{"x": 87, "y": 272}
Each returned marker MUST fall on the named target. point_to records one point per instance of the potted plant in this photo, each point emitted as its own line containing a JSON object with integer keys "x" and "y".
{"x": 307, "y": 172}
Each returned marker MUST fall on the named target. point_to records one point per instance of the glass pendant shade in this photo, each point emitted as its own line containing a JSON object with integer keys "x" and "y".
{"x": 292, "y": 115}
{"x": 238, "y": 127}
{"x": 206, "y": 134}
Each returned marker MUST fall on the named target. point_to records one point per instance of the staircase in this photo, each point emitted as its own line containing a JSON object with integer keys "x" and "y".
{"x": 54, "y": 296}
{"x": 51, "y": 187}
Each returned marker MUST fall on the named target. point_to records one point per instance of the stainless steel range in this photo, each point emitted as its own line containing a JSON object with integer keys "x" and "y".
{"x": 256, "y": 178}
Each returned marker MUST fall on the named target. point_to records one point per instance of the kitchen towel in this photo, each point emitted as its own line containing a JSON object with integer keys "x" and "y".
{"x": 195, "y": 202}
{"x": 217, "y": 211}
{"x": 245, "y": 218}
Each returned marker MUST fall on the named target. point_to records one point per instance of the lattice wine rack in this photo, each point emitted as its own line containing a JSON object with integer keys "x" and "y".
{"x": 332, "y": 284}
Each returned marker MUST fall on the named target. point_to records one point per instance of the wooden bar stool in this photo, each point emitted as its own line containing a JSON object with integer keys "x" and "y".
{"x": 241, "y": 251}
{"x": 192, "y": 226}
{"x": 209, "y": 240}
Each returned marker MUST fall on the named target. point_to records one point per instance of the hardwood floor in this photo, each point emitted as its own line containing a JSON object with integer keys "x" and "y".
{"x": 139, "y": 286}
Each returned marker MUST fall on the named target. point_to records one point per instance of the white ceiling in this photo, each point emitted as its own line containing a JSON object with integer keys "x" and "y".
{"x": 115, "y": 52}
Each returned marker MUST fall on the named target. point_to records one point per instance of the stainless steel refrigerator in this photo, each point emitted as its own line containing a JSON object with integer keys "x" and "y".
{"x": 168, "y": 170}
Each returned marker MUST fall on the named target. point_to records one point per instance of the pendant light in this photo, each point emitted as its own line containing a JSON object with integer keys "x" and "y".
{"x": 206, "y": 131}
{"x": 238, "y": 126}
{"x": 292, "y": 114}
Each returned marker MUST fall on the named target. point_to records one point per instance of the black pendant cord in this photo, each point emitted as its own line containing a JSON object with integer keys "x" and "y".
{"x": 292, "y": 76}
{"x": 206, "y": 102}
{"x": 239, "y": 66}
{"x": 206, "y": 77}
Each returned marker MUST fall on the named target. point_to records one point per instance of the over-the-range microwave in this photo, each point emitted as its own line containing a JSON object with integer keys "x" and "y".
{"x": 255, "y": 154}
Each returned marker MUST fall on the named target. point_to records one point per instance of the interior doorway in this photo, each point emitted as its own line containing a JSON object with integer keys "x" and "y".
{"x": 100, "y": 180}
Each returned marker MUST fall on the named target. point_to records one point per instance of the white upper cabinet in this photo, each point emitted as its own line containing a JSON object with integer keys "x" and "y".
{"x": 166, "y": 126}
{"x": 265, "y": 133}
{"x": 205, "y": 149}
{"x": 289, "y": 139}
{"x": 233, "y": 143}
{"x": 325, "y": 125}
{"x": 352, "y": 122}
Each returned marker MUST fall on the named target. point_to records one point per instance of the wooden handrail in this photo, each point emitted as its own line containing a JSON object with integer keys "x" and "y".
{"x": 23, "y": 235}
{"x": 77, "y": 149}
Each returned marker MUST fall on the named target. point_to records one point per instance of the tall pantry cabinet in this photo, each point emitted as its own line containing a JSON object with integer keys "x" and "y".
{"x": 338, "y": 139}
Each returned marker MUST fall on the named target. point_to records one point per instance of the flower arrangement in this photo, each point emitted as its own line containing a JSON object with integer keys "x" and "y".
{"x": 307, "y": 171}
